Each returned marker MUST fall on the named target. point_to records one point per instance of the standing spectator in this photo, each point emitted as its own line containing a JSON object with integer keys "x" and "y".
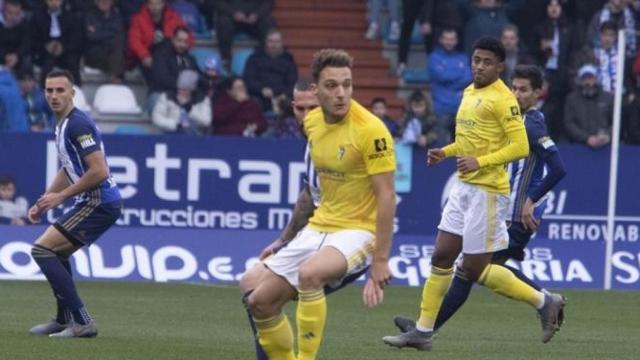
{"x": 39, "y": 115}
{"x": 15, "y": 42}
{"x": 271, "y": 71}
{"x": 449, "y": 74}
{"x": 185, "y": 110}
{"x": 12, "y": 114}
{"x": 373, "y": 15}
{"x": 235, "y": 113}
{"x": 588, "y": 111}
{"x": 440, "y": 15}
{"x": 13, "y": 210}
{"x": 412, "y": 11}
{"x": 604, "y": 55}
{"x": 234, "y": 16}
{"x": 150, "y": 27}
{"x": 486, "y": 18}
{"x": 516, "y": 52}
{"x": 169, "y": 59}
{"x": 621, "y": 15}
{"x": 379, "y": 109}
{"x": 105, "y": 39}
{"x": 553, "y": 42}
{"x": 57, "y": 39}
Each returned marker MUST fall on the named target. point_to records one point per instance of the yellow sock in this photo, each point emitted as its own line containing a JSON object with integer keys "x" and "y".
{"x": 276, "y": 337}
{"x": 503, "y": 282}
{"x": 433, "y": 293}
{"x": 311, "y": 316}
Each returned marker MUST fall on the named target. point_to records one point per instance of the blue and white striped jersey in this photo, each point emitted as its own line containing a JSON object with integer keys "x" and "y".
{"x": 528, "y": 173}
{"x": 76, "y": 137}
{"x": 311, "y": 177}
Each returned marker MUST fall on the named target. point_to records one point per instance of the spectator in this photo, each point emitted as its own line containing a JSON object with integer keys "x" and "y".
{"x": 12, "y": 115}
{"x": 169, "y": 59}
{"x": 235, "y": 113}
{"x": 588, "y": 111}
{"x": 379, "y": 109}
{"x": 128, "y": 8}
{"x": 39, "y": 115}
{"x": 15, "y": 42}
{"x": 604, "y": 56}
{"x": 57, "y": 39}
{"x": 185, "y": 110}
{"x": 234, "y": 16}
{"x": 621, "y": 15}
{"x": 281, "y": 122}
{"x": 420, "y": 126}
{"x": 633, "y": 122}
{"x": 440, "y": 15}
{"x": 375, "y": 8}
{"x": 13, "y": 210}
{"x": 450, "y": 74}
{"x": 213, "y": 76}
{"x": 486, "y": 18}
{"x": 105, "y": 39}
{"x": 150, "y": 27}
{"x": 412, "y": 11}
{"x": 515, "y": 52}
{"x": 553, "y": 41}
{"x": 271, "y": 71}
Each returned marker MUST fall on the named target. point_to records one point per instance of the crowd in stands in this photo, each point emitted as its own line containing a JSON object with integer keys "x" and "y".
{"x": 573, "y": 41}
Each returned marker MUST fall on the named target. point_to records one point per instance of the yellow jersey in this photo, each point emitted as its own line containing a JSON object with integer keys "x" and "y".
{"x": 344, "y": 155}
{"x": 489, "y": 127}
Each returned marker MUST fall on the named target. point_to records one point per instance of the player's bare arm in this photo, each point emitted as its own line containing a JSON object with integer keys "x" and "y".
{"x": 302, "y": 212}
{"x": 96, "y": 173}
{"x": 384, "y": 188}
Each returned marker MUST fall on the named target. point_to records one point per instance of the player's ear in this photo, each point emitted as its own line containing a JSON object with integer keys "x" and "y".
{"x": 314, "y": 88}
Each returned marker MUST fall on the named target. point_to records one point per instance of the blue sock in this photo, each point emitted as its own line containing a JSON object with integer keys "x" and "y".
{"x": 260, "y": 354}
{"x": 63, "y": 316}
{"x": 523, "y": 277}
{"x": 60, "y": 281}
{"x": 455, "y": 298}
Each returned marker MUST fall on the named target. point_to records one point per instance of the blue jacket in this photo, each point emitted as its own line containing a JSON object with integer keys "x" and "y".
{"x": 449, "y": 73}
{"x": 12, "y": 115}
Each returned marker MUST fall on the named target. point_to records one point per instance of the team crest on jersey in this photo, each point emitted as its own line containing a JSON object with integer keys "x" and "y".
{"x": 478, "y": 102}
{"x": 380, "y": 144}
{"x": 341, "y": 151}
{"x": 515, "y": 111}
{"x": 86, "y": 141}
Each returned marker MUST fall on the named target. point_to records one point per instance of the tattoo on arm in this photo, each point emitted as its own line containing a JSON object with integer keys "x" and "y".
{"x": 302, "y": 212}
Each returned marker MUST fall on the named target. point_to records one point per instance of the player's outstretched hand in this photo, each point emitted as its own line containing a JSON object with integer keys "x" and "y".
{"x": 467, "y": 164}
{"x": 33, "y": 215}
{"x": 271, "y": 249}
{"x": 373, "y": 293}
{"x": 434, "y": 156}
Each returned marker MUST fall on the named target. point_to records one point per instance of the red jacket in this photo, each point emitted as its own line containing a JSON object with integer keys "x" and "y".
{"x": 142, "y": 29}
{"x": 231, "y": 117}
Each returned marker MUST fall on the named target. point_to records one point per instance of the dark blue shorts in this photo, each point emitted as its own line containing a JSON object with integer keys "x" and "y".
{"x": 518, "y": 239}
{"x": 85, "y": 222}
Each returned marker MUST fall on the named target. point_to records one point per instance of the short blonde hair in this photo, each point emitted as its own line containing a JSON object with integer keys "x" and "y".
{"x": 329, "y": 58}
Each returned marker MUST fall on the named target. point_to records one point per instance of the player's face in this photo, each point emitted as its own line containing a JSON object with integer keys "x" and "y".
{"x": 59, "y": 94}
{"x": 7, "y": 191}
{"x": 181, "y": 41}
{"x": 554, "y": 9}
{"x": 54, "y": 5}
{"x": 486, "y": 67}
{"x": 334, "y": 90}
{"x": 303, "y": 102}
{"x": 524, "y": 92}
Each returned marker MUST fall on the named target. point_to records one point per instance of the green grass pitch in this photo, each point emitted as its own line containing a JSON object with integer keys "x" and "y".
{"x": 170, "y": 321}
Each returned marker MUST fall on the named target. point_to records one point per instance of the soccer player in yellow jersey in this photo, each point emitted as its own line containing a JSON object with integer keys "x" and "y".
{"x": 490, "y": 133}
{"x": 351, "y": 229}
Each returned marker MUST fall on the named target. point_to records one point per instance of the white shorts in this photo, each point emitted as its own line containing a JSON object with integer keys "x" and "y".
{"x": 355, "y": 245}
{"x": 478, "y": 216}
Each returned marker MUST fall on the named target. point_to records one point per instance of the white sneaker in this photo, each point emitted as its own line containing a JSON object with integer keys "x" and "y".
{"x": 75, "y": 330}
{"x": 372, "y": 31}
{"x": 47, "y": 328}
{"x": 394, "y": 31}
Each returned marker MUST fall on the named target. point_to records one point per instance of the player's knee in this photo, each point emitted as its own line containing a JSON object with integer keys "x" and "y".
{"x": 259, "y": 307}
{"x": 442, "y": 260}
{"x": 248, "y": 281}
{"x": 39, "y": 251}
{"x": 472, "y": 273}
{"x": 308, "y": 278}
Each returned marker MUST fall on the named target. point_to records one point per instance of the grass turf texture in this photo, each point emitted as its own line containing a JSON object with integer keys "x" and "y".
{"x": 171, "y": 321}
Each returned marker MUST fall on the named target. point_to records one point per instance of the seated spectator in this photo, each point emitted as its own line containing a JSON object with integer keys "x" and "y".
{"x": 516, "y": 54}
{"x": 150, "y": 27}
{"x": 271, "y": 71}
{"x": 375, "y": 19}
{"x": 379, "y": 109}
{"x": 213, "y": 76}
{"x": 449, "y": 74}
{"x": 419, "y": 125}
{"x": 39, "y": 115}
{"x": 12, "y": 115}
{"x": 105, "y": 39}
{"x": 57, "y": 39}
{"x": 13, "y": 210}
{"x": 15, "y": 41}
{"x": 603, "y": 55}
{"x": 281, "y": 123}
{"x": 588, "y": 111}
{"x": 234, "y": 16}
{"x": 185, "y": 110}
{"x": 169, "y": 59}
{"x": 235, "y": 113}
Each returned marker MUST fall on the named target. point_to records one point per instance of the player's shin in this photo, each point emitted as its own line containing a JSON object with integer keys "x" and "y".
{"x": 311, "y": 316}
{"x": 260, "y": 354}
{"x": 504, "y": 282}
{"x": 456, "y": 297}
{"x": 433, "y": 293}
{"x": 276, "y": 337}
